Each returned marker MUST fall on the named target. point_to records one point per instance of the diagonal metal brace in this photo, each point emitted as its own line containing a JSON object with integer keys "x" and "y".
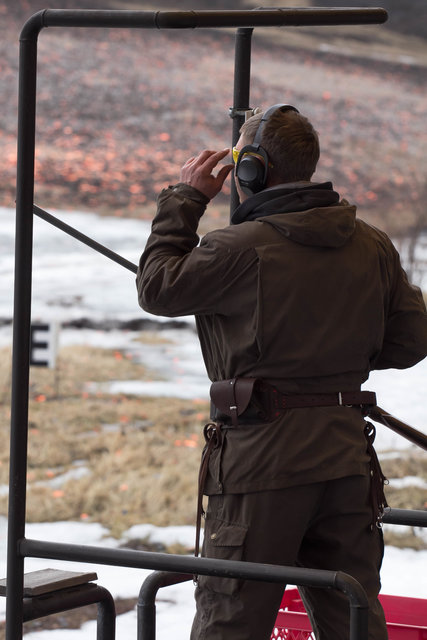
{"x": 48, "y": 217}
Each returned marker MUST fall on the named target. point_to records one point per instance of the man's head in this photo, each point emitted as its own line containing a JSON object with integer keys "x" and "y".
{"x": 289, "y": 144}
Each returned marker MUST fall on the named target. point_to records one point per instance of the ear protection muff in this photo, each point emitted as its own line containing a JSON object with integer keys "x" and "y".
{"x": 252, "y": 164}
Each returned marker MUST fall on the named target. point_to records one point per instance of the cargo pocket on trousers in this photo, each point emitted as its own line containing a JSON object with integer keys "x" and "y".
{"x": 223, "y": 541}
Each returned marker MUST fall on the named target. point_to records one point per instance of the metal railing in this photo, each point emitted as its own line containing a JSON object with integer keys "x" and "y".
{"x": 73, "y": 598}
{"x": 207, "y": 566}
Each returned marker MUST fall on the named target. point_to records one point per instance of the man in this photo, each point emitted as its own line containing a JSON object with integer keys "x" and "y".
{"x": 295, "y": 303}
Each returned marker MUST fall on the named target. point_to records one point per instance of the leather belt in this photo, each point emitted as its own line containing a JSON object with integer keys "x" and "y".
{"x": 281, "y": 401}
{"x": 251, "y": 399}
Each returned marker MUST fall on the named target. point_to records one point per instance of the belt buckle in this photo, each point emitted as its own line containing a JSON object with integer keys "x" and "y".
{"x": 341, "y": 404}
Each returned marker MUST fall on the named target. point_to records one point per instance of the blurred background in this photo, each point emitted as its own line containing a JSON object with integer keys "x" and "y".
{"x": 119, "y": 111}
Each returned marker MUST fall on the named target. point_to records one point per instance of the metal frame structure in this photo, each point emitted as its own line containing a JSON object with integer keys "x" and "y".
{"x": 18, "y": 546}
{"x": 73, "y": 598}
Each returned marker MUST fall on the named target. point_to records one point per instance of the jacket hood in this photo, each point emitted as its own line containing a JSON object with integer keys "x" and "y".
{"x": 305, "y": 212}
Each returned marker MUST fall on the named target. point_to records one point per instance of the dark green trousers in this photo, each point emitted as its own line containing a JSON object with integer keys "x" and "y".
{"x": 325, "y": 525}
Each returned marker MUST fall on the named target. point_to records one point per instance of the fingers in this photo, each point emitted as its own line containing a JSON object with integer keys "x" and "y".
{"x": 205, "y": 162}
{"x": 209, "y": 159}
{"x": 223, "y": 173}
{"x": 197, "y": 171}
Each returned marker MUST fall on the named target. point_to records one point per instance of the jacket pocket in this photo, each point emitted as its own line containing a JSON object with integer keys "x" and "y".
{"x": 223, "y": 541}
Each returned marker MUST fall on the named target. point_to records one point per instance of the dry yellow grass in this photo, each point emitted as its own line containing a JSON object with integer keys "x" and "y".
{"x": 131, "y": 459}
{"x": 121, "y": 460}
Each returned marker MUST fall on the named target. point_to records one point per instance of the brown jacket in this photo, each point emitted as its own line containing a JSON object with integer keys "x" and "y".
{"x": 310, "y": 299}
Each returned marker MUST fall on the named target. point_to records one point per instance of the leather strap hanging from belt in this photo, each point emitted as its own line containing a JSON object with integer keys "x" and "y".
{"x": 378, "y": 479}
{"x": 213, "y": 437}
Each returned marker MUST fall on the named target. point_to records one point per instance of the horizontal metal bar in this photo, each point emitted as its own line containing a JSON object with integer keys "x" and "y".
{"x": 295, "y": 17}
{"x": 48, "y": 217}
{"x": 188, "y": 564}
{"x": 286, "y": 17}
{"x": 409, "y": 517}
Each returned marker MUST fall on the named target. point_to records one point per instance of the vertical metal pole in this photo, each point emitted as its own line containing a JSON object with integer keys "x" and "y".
{"x": 359, "y": 608}
{"x": 242, "y": 79}
{"x": 106, "y": 625}
{"x": 21, "y": 333}
{"x": 358, "y": 622}
{"x": 146, "y": 607}
{"x": 146, "y": 613}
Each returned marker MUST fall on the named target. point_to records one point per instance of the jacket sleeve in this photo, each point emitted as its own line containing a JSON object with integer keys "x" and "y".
{"x": 405, "y": 336}
{"x": 177, "y": 276}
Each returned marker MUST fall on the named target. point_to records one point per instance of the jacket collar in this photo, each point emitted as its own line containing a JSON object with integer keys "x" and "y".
{"x": 283, "y": 198}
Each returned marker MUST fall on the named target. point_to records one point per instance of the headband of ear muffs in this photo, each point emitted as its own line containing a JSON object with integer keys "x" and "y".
{"x": 252, "y": 163}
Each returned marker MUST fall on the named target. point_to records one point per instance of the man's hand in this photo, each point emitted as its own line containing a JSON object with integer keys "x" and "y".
{"x": 197, "y": 172}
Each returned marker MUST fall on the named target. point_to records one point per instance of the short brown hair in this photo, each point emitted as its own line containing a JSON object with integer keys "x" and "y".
{"x": 291, "y": 142}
